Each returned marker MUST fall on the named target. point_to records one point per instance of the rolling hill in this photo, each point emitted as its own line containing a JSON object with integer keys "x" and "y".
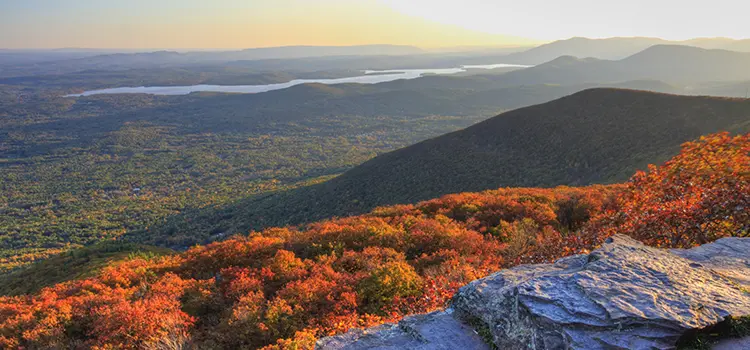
{"x": 676, "y": 63}
{"x": 739, "y": 45}
{"x": 598, "y": 135}
{"x": 190, "y": 152}
{"x": 595, "y": 136}
{"x": 610, "y": 48}
{"x": 670, "y": 63}
{"x": 614, "y": 48}
{"x": 674, "y": 68}
{"x": 322, "y": 51}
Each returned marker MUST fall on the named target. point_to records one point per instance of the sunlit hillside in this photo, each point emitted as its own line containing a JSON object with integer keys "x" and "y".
{"x": 284, "y": 287}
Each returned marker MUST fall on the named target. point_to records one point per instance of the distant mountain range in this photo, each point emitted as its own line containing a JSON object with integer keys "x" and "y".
{"x": 56, "y": 62}
{"x": 312, "y": 58}
{"x": 662, "y": 68}
{"x": 281, "y": 52}
{"x": 322, "y": 51}
{"x": 284, "y": 52}
{"x": 615, "y": 48}
{"x": 671, "y": 63}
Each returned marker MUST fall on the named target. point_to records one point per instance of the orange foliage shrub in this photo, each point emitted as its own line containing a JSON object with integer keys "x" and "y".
{"x": 701, "y": 195}
{"x": 284, "y": 287}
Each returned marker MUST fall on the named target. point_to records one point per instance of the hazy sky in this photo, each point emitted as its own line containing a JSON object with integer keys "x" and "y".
{"x": 259, "y": 23}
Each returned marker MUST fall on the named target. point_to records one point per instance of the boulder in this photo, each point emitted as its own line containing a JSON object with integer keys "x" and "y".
{"x": 437, "y": 330}
{"x": 623, "y": 295}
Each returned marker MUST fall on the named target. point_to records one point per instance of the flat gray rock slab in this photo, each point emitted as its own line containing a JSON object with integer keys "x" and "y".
{"x": 733, "y": 344}
{"x": 434, "y": 331}
{"x": 623, "y": 295}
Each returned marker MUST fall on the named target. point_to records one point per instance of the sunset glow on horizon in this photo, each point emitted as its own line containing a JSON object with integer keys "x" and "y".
{"x": 425, "y": 23}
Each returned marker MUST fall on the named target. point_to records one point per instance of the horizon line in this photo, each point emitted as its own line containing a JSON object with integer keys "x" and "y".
{"x": 499, "y": 45}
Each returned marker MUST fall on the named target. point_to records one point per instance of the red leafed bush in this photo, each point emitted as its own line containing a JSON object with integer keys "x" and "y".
{"x": 284, "y": 287}
{"x": 700, "y": 195}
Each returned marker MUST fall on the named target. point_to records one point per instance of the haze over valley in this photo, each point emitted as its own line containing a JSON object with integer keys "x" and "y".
{"x": 266, "y": 174}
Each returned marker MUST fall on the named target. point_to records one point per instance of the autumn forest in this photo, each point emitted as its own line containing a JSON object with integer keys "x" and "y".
{"x": 349, "y": 175}
{"x": 282, "y": 288}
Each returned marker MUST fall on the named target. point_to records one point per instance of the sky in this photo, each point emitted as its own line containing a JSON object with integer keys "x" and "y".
{"x": 426, "y": 23}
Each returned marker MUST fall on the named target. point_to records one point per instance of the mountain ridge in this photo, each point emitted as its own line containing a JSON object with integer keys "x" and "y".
{"x": 599, "y": 135}
{"x": 480, "y": 136}
{"x": 615, "y": 48}
{"x": 670, "y": 63}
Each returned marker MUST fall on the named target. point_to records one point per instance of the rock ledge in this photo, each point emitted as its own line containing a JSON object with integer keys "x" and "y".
{"x": 623, "y": 295}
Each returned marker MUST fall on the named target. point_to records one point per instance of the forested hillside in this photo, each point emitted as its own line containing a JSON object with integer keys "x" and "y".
{"x": 284, "y": 287}
{"x": 181, "y": 170}
{"x": 76, "y": 171}
{"x": 262, "y": 174}
{"x": 595, "y": 136}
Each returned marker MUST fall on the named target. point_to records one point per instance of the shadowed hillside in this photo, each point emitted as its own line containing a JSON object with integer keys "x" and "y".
{"x": 594, "y": 136}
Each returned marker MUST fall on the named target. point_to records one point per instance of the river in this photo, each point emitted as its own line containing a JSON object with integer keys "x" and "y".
{"x": 369, "y": 77}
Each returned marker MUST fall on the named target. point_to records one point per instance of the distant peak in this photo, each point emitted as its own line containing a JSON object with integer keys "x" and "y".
{"x": 568, "y": 59}
{"x": 673, "y": 47}
{"x": 670, "y": 50}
